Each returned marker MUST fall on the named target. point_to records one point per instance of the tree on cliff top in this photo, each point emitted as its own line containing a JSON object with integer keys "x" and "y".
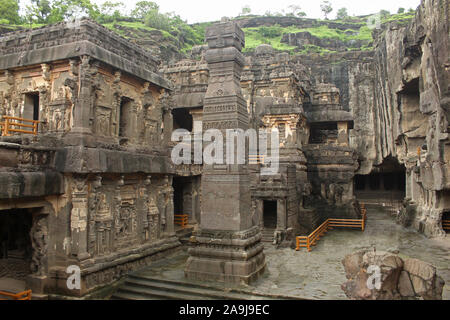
{"x": 44, "y": 11}
{"x": 342, "y": 14}
{"x": 246, "y": 10}
{"x": 9, "y": 12}
{"x": 296, "y": 11}
{"x": 142, "y": 8}
{"x": 326, "y": 8}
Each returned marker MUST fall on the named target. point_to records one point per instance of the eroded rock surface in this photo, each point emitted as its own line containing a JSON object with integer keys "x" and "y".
{"x": 385, "y": 276}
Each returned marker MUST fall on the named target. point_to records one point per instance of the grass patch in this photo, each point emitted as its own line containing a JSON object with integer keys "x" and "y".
{"x": 399, "y": 17}
{"x": 138, "y": 26}
{"x": 265, "y": 35}
{"x": 272, "y": 35}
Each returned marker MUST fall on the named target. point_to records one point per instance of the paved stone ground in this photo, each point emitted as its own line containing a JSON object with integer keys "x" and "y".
{"x": 12, "y": 285}
{"x": 320, "y": 273}
{"x": 14, "y": 268}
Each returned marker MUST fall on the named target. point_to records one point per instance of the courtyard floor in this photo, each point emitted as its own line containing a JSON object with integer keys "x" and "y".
{"x": 320, "y": 273}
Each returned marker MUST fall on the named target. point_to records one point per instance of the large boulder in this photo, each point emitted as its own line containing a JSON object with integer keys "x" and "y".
{"x": 426, "y": 283}
{"x": 385, "y": 276}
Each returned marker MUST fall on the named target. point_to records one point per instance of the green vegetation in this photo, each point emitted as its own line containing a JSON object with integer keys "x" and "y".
{"x": 342, "y": 14}
{"x": 400, "y": 17}
{"x": 146, "y": 20}
{"x": 273, "y": 35}
{"x": 265, "y": 35}
{"x": 9, "y": 12}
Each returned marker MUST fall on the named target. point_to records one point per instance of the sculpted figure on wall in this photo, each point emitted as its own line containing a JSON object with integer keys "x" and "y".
{"x": 39, "y": 241}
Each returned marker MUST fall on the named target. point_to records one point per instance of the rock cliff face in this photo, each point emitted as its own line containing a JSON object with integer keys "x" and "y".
{"x": 302, "y": 39}
{"x": 410, "y": 121}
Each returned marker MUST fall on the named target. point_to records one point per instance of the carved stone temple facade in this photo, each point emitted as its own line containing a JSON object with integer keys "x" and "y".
{"x": 93, "y": 188}
{"x": 96, "y": 187}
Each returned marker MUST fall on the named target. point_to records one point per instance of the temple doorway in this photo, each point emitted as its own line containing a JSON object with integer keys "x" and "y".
{"x": 15, "y": 243}
{"x": 270, "y": 214}
{"x": 186, "y": 197}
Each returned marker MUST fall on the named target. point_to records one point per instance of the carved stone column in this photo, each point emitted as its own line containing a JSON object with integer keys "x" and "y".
{"x": 170, "y": 230}
{"x": 282, "y": 214}
{"x": 229, "y": 243}
{"x": 84, "y": 103}
{"x": 166, "y": 104}
{"x": 79, "y": 217}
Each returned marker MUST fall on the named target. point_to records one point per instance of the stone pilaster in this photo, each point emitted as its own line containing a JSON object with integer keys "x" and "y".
{"x": 79, "y": 217}
{"x": 84, "y": 103}
{"x": 229, "y": 243}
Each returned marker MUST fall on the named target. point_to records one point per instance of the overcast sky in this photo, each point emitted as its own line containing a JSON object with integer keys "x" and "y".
{"x": 209, "y": 10}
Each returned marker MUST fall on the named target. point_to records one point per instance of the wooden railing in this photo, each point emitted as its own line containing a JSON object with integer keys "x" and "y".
{"x": 26, "y": 295}
{"x": 446, "y": 225}
{"x": 181, "y": 220}
{"x": 10, "y": 125}
{"x": 256, "y": 159}
{"x": 311, "y": 240}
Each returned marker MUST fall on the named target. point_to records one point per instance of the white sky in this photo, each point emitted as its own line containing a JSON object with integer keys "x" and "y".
{"x": 211, "y": 10}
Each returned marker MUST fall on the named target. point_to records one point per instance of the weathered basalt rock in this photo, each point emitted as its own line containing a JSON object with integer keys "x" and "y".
{"x": 385, "y": 276}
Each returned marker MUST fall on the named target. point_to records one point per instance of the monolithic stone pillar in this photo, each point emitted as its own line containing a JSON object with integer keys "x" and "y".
{"x": 260, "y": 212}
{"x": 229, "y": 245}
{"x": 84, "y": 103}
{"x": 281, "y": 214}
{"x": 168, "y": 213}
{"x": 79, "y": 217}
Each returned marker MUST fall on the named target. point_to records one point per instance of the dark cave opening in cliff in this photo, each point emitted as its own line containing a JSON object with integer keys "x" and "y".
{"x": 446, "y": 221}
{"x": 182, "y": 119}
{"x": 270, "y": 214}
{"x": 322, "y": 133}
{"x": 15, "y": 243}
{"x": 184, "y": 202}
{"x": 386, "y": 183}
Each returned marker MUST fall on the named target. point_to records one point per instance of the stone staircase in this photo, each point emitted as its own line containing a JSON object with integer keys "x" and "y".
{"x": 267, "y": 235}
{"x": 141, "y": 287}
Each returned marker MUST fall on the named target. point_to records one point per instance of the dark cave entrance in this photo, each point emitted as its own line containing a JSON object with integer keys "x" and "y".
{"x": 323, "y": 133}
{"x": 15, "y": 243}
{"x": 386, "y": 183}
{"x": 185, "y": 198}
{"x": 182, "y": 119}
{"x": 270, "y": 214}
{"x": 446, "y": 221}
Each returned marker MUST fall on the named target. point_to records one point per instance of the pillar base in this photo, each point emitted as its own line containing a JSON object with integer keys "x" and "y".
{"x": 227, "y": 257}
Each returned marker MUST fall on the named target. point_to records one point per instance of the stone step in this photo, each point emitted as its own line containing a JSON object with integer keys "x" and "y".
{"x": 178, "y": 290}
{"x": 129, "y": 295}
{"x": 141, "y": 287}
{"x": 129, "y": 292}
